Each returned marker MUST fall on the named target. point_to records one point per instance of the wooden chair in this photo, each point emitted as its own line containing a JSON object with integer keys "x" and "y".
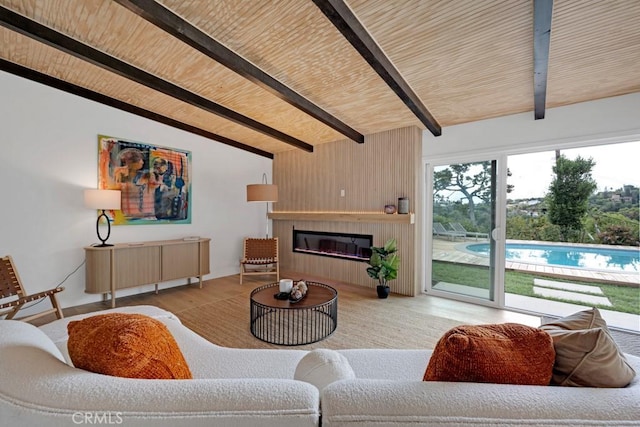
{"x": 260, "y": 256}
{"x": 14, "y": 297}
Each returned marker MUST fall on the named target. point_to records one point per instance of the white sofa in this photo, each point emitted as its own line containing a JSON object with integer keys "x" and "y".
{"x": 238, "y": 387}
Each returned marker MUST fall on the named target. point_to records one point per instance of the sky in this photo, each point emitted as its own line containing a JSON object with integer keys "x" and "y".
{"x": 616, "y": 165}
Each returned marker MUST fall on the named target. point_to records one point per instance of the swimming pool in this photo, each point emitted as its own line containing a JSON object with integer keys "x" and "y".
{"x": 598, "y": 258}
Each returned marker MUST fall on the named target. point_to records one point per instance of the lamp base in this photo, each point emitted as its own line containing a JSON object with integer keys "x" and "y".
{"x": 106, "y": 218}
{"x": 103, "y": 245}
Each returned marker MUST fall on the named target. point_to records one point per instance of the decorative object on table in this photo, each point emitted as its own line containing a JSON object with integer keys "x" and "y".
{"x": 383, "y": 266}
{"x": 403, "y": 205}
{"x": 103, "y": 200}
{"x": 299, "y": 291}
{"x": 389, "y": 209}
{"x": 155, "y": 182}
{"x": 286, "y": 285}
{"x": 290, "y": 291}
{"x": 263, "y": 193}
{"x": 282, "y": 296}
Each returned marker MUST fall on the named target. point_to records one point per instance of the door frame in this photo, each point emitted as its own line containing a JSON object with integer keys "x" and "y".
{"x": 498, "y": 234}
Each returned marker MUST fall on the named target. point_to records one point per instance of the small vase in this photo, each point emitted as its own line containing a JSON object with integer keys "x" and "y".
{"x": 285, "y": 285}
{"x": 403, "y": 205}
{"x": 389, "y": 209}
{"x": 383, "y": 291}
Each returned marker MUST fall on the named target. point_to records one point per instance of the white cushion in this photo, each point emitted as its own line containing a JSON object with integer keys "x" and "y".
{"x": 387, "y": 363}
{"x": 365, "y": 403}
{"x": 322, "y": 367}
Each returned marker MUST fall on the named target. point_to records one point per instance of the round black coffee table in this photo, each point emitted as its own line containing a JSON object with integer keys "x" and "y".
{"x": 284, "y": 322}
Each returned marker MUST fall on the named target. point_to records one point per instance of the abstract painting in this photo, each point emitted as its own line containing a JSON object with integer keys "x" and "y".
{"x": 155, "y": 181}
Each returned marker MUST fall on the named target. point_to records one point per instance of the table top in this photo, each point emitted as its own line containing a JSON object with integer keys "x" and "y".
{"x": 317, "y": 294}
{"x": 146, "y": 244}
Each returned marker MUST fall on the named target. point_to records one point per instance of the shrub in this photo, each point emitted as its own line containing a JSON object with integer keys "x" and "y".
{"x": 619, "y": 235}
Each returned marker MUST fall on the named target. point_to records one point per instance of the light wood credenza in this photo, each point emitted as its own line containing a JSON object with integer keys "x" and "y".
{"x": 127, "y": 265}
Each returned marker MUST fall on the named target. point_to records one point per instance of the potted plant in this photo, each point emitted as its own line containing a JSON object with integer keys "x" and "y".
{"x": 383, "y": 265}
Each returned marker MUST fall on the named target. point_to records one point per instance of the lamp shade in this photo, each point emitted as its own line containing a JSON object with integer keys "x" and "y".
{"x": 102, "y": 199}
{"x": 262, "y": 193}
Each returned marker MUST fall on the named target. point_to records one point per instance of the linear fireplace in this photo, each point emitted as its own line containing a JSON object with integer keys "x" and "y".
{"x": 354, "y": 247}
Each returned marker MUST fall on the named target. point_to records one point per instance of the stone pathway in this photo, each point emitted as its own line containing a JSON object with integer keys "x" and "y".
{"x": 570, "y": 292}
{"x": 564, "y": 286}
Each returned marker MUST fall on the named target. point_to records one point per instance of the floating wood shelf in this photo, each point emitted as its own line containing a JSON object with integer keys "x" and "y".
{"x": 344, "y": 217}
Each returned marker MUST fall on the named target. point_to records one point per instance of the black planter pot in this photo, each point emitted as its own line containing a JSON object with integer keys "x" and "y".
{"x": 383, "y": 291}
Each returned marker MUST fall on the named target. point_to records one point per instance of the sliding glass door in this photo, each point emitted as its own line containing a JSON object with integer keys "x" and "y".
{"x": 505, "y": 237}
{"x": 462, "y": 216}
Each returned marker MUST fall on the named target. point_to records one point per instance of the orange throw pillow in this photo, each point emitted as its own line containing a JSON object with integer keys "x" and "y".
{"x": 507, "y": 353}
{"x": 126, "y": 345}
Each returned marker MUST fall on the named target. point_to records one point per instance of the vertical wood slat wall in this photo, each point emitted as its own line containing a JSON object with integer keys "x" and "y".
{"x": 378, "y": 172}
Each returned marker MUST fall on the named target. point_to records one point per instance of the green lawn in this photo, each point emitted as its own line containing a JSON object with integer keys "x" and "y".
{"x": 625, "y": 299}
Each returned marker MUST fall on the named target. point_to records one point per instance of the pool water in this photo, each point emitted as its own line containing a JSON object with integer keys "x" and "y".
{"x": 597, "y": 258}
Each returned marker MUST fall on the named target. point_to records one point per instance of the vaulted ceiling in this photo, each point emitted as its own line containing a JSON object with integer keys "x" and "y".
{"x": 274, "y": 75}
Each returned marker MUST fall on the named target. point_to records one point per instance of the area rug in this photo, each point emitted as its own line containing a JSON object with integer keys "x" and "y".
{"x": 226, "y": 323}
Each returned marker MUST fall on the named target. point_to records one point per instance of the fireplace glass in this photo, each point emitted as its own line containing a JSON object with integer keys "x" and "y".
{"x": 355, "y": 247}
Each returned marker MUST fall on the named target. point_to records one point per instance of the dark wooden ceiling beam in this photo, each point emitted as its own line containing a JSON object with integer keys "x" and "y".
{"x": 50, "y": 37}
{"x": 73, "y": 89}
{"x": 179, "y": 28}
{"x": 542, "y": 13}
{"x": 348, "y": 24}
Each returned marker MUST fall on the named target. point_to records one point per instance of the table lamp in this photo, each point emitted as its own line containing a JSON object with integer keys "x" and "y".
{"x": 102, "y": 200}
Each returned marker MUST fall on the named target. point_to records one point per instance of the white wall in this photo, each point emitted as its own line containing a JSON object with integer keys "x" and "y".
{"x": 48, "y": 144}
{"x": 604, "y": 121}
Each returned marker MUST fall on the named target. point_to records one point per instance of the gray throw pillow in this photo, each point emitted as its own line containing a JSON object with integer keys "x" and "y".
{"x": 586, "y": 354}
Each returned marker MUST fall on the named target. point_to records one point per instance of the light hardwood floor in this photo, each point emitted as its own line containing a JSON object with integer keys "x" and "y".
{"x": 220, "y": 312}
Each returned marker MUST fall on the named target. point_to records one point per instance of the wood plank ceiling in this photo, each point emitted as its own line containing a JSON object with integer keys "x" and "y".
{"x": 464, "y": 60}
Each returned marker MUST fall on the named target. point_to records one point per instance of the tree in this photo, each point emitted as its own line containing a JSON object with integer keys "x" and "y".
{"x": 510, "y": 187}
{"x": 468, "y": 180}
{"x": 569, "y": 193}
